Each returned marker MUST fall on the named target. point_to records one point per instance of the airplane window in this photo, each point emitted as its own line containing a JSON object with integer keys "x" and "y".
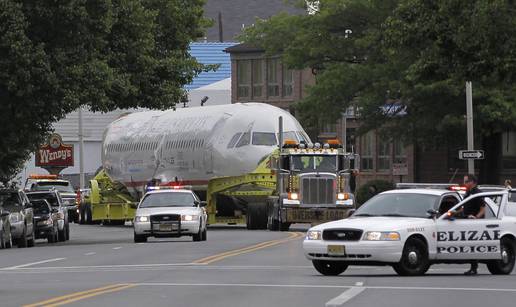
{"x": 244, "y": 140}
{"x": 234, "y": 139}
{"x": 264, "y": 138}
{"x": 301, "y": 137}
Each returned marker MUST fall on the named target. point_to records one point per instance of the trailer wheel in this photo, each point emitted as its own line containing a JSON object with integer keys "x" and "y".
{"x": 256, "y": 217}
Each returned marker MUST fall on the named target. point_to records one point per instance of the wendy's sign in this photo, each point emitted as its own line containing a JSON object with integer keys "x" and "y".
{"x": 54, "y": 153}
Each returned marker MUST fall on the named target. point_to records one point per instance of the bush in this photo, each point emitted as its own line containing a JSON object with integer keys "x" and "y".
{"x": 364, "y": 193}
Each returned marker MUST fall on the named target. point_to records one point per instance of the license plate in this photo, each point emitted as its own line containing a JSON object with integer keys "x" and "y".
{"x": 165, "y": 227}
{"x": 336, "y": 250}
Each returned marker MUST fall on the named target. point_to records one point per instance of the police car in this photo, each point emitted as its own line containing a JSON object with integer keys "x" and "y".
{"x": 412, "y": 229}
{"x": 170, "y": 213}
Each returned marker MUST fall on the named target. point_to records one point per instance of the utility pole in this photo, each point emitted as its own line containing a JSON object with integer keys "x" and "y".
{"x": 469, "y": 124}
{"x": 81, "y": 152}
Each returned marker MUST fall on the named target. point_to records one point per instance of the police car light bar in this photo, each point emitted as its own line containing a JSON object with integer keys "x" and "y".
{"x": 457, "y": 188}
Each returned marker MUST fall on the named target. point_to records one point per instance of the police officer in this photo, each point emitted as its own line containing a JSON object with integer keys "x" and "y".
{"x": 474, "y": 209}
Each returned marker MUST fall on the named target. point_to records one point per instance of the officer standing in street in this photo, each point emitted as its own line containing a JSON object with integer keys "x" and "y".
{"x": 474, "y": 209}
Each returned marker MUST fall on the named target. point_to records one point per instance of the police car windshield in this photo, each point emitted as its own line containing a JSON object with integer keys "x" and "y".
{"x": 398, "y": 205}
{"x": 174, "y": 199}
{"x": 59, "y": 186}
{"x": 311, "y": 163}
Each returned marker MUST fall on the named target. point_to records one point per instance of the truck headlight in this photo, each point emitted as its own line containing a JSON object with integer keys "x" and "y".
{"x": 293, "y": 196}
{"x": 188, "y": 217}
{"x": 142, "y": 218}
{"x": 313, "y": 235}
{"x": 382, "y": 236}
{"x": 342, "y": 196}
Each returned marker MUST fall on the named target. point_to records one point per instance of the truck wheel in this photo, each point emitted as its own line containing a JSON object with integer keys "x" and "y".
{"x": 140, "y": 238}
{"x": 256, "y": 217}
{"x": 506, "y": 264}
{"x": 414, "y": 260}
{"x": 329, "y": 268}
{"x": 249, "y": 217}
{"x": 272, "y": 224}
{"x": 22, "y": 241}
{"x": 284, "y": 226}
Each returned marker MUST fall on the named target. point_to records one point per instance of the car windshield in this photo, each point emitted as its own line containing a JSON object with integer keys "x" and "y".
{"x": 175, "y": 199}
{"x": 398, "y": 204}
{"x": 50, "y": 197}
{"x": 59, "y": 186}
{"x": 40, "y": 207}
{"x": 310, "y": 163}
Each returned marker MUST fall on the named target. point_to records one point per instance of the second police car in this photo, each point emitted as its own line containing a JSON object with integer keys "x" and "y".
{"x": 170, "y": 213}
{"x": 414, "y": 228}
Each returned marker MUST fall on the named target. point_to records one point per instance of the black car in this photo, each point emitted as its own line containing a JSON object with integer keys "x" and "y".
{"x": 54, "y": 199}
{"x": 45, "y": 218}
{"x": 20, "y": 216}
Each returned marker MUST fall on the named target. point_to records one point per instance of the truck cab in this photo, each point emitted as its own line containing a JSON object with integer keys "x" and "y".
{"x": 313, "y": 184}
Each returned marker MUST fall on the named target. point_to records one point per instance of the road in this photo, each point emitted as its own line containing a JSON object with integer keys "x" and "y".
{"x": 101, "y": 266}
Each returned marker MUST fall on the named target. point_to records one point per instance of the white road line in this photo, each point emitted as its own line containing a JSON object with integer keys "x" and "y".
{"x": 32, "y": 263}
{"x": 344, "y": 297}
{"x": 90, "y": 254}
{"x": 359, "y": 284}
{"x": 441, "y": 289}
{"x": 118, "y": 247}
{"x": 161, "y": 284}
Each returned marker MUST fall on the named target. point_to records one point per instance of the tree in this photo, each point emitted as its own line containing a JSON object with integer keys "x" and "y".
{"x": 402, "y": 63}
{"x": 58, "y": 55}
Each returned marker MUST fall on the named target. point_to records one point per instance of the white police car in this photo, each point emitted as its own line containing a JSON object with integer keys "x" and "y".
{"x": 414, "y": 228}
{"x": 170, "y": 213}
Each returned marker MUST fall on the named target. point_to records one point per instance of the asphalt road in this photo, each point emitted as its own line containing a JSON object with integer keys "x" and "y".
{"x": 101, "y": 266}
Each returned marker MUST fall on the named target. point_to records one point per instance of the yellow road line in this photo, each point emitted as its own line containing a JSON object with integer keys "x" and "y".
{"x": 74, "y": 299}
{"x": 248, "y": 249}
{"x": 58, "y": 300}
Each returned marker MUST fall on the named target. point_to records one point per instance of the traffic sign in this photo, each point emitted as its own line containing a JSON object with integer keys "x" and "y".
{"x": 471, "y": 154}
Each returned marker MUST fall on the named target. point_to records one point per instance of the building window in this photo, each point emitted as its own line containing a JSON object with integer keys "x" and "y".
{"x": 243, "y": 78}
{"x": 288, "y": 82}
{"x": 272, "y": 78}
{"x": 400, "y": 154}
{"x": 257, "y": 78}
{"x": 384, "y": 153}
{"x": 367, "y": 151}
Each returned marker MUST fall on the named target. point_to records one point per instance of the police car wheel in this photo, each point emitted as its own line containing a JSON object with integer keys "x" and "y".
{"x": 506, "y": 264}
{"x": 414, "y": 260}
{"x": 329, "y": 268}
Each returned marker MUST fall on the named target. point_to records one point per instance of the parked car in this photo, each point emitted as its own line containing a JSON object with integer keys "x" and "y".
{"x": 54, "y": 199}
{"x": 21, "y": 216}
{"x": 5, "y": 229}
{"x": 46, "y": 220}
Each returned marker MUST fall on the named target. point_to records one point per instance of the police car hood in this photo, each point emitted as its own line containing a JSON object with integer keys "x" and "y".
{"x": 168, "y": 210}
{"x": 376, "y": 223}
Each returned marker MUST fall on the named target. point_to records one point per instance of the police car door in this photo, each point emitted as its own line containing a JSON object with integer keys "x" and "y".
{"x": 461, "y": 238}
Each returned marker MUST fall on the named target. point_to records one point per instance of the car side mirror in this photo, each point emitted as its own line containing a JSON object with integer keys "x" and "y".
{"x": 5, "y": 213}
{"x": 350, "y": 212}
{"x": 432, "y": 213}
{"x": 203, "y": 203}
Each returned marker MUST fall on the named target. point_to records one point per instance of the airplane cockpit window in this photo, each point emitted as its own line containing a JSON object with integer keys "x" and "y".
{"x": 264, "y": 138}
{"x": 234, "y": 139}
{"x": 244, "y": 140}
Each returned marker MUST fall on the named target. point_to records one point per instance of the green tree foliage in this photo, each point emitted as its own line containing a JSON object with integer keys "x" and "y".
{"x": 58, "y": 55}
{"x": 372, "y": 188}
{"x": 403, "y": 63}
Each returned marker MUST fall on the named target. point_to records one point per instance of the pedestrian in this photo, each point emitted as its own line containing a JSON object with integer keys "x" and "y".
{"x": 474, "y": 209}
{"x": 508, "y": 184}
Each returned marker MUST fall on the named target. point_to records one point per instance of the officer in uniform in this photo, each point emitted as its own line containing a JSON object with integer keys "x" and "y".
{"x": 474, "y": 209}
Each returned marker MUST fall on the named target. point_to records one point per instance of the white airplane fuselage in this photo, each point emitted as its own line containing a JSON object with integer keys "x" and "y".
{"x": 193, "y": 145}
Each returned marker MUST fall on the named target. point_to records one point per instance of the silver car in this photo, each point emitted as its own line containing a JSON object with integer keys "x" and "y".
{"x": 170, "y": 213}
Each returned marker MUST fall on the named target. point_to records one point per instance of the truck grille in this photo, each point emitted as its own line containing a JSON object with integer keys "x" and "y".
{"x": 165, "y": 218}
{"x": 317, "y": 190}
{"x": 342, "y": 234}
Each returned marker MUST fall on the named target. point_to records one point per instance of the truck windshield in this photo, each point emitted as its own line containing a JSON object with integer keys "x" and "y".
{"x": 398, "y": 205}
{"x": 173, "y": 199}
{"x": 310, "y": 163}
{"x": 59, "y": 186}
